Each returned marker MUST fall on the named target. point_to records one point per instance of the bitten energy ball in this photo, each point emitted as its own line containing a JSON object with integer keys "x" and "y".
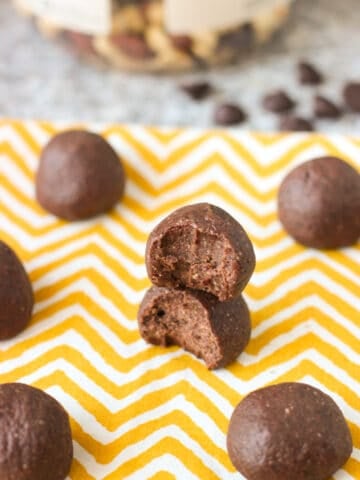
{"x": 80, "y": 176}
{"x": 200, "y": 247}
{"x": 215, "y": 331}
{"x": 286, "y": 432}
{"x": 319, "y": 203}
{"x": 35, "y": 435}
{"x": 16, "y": 295}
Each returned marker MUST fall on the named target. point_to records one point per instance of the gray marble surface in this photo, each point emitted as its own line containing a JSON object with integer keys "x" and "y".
{"x": 40, "y": 79}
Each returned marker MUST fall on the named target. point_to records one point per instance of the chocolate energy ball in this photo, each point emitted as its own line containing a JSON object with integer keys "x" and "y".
{"x": 319, "y": 203}
{"x": 79, "y": 176}
{"x": 35, "y": 435}
{"x": 215, "y": 331}
{"x": 286, "y": 432}
{"x": 16, "y": 295}
{"x": 201, "y": 247}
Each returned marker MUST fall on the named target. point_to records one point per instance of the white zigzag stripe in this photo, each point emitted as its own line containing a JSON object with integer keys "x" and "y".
{"x": 132, "y": 451}
{"x": 243, "y": 387}
{"x": 104, "y": 436}
{"x": 311, "y": 301}
{"x": 261, "y": 278}
{"x": 9, "y": 135}
{"x": 115, "y": 405}
{"x": 85, "y": 262}
{"x": 138, "y": 270}
{"x": 303, "y": 278}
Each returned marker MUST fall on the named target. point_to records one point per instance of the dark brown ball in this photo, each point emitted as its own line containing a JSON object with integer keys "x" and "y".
{"x": 35, "y": 435}
{"x": 215, "y": 331}
{"x": 319, "y": 203}
{"x": 16, "y": 295}
{"x": 79, "y": 176}
{"x": 286, "y": 432}
{"x": 200, "y": 247}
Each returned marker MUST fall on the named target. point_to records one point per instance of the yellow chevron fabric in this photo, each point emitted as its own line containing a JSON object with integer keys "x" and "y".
{"x": 141, "y": 412}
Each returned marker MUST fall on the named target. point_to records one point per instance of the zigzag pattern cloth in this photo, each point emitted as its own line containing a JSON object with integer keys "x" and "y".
{"x": 142, "y": 412}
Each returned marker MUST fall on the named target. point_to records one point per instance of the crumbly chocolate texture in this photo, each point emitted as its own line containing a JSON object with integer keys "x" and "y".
{"x": 35, "y": 435}
{"x": 16, "y": 294}
{"x": 201, "y": 247}
{"x": 286, "y": 432}
{"x": 319, "y": 203}
{"x": 79, "y": 176}
{"x": 215, "y": 331}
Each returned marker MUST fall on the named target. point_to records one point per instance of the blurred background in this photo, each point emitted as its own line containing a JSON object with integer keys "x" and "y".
{"x": 42, "y": 79}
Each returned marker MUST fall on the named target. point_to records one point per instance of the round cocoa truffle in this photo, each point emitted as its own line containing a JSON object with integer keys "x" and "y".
{"x": 286, "y": 432}
{"x": 215, "y": 331}
{"x": 319, "y": 203}
{"x": 201, "y": 247}
{"x": 79, "y": 176}
{"x": 35, "y": 435}
{"x": 16, "y": 295}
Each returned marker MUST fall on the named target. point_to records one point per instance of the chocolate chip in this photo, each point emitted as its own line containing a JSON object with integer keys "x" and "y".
{"x": 308, "y": 74}
{"x": 197, "y": 90}
{"x": 240, "y": 39}
{"x": 81, "y": 42}
{"x": 133, "y": 45}
{"x": 295, "y": 124}
{"x": 324, "y": 108}
{"x": 182, "y": 42}
{"x": 352, "y": 96}
{"x": 229, "y": 114}
{"x": 278, "y": 102}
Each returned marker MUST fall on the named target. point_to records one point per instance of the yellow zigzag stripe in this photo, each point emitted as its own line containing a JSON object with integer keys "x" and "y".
{"x": 46, "y": 325}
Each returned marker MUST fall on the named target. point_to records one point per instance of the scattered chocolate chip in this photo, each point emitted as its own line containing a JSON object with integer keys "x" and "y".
{"x": 81, "y": 42}
{"x": 215, "y": 331}
{"x": 352, "y": 96}
{"x": 182, "y": 42}
{"x": 229, "y": 114}
{"x": 295, "y": 124}
{"x": 288, "y": 431}
{"x": 319, "y": 203}
{"x": 16, "y": 294}
{"x": 278, "y": 102}
{"x": 79, "y": 176}
{"x": 241, "y": 39}
{"x": 197, "y": 90}
{"x": 200, "y": 247}
{"x": 133, "y": 45}
{"x": 308, "y": 74}
{"x": 35, "y": 435}
{"x": 324, "y": 108}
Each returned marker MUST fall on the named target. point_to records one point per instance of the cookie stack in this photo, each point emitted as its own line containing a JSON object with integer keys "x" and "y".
{"x": 199, "y": 260}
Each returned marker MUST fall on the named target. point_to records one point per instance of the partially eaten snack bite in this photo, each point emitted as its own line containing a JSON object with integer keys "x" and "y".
{"x": 79, "y": 176}
{"x": 16, "y": 294}
{"x": 215, "y": 331}
{"x": 200, "y": 247}
{"x": 319, "y": 203}
{"x": 289, "y": 431}
{"x": 35, "y": 435}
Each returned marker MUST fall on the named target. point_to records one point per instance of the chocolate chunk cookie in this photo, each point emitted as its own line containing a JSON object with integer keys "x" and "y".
{"x": 286, "y": 432}
{"x": 201, "y": 247}
{"x": 319, "y": 203}
{"x": 215, "y": 331}
{"x": 16, "y": 295}
{"x": 79, "y": 176}
{"x": 35, "y": 435}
